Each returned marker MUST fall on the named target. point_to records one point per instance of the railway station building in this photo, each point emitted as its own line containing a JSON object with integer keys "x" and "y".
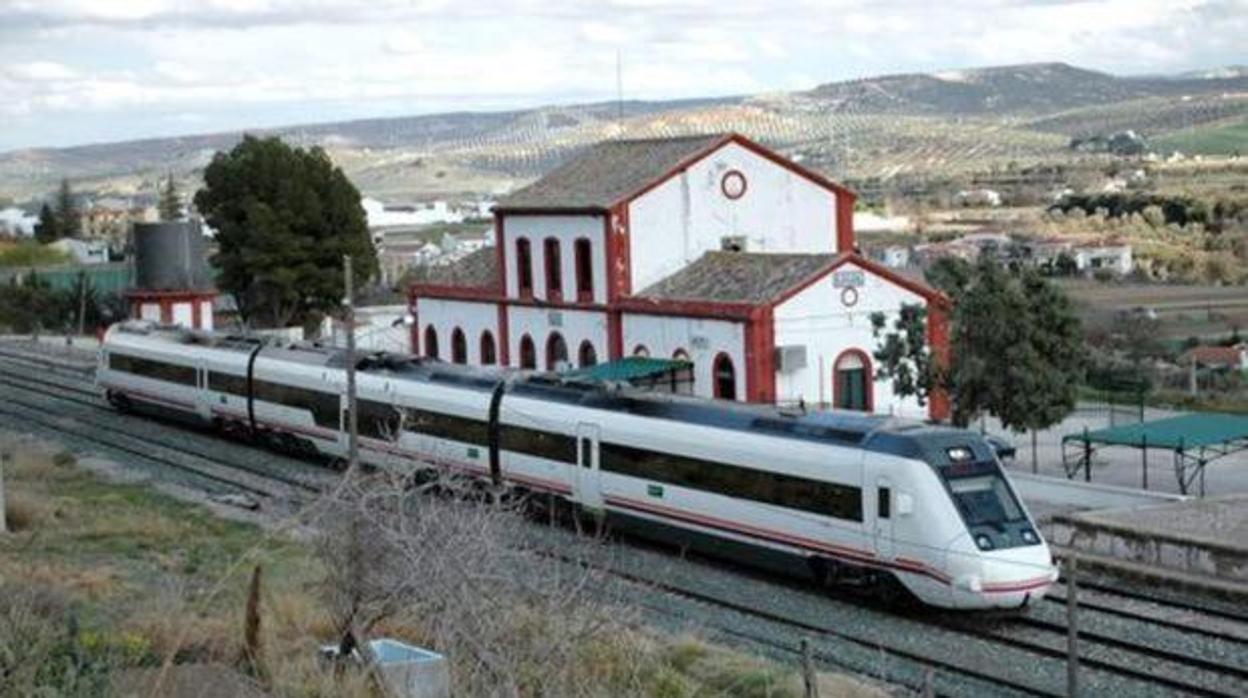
{"x": 709, "y": 249}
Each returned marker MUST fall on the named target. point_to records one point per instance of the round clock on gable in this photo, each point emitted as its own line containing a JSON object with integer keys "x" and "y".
{"x": 733, "y": 184}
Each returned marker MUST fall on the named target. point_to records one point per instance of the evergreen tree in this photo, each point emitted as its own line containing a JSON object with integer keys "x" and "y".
{"x": 170, "y": 201}
{"x": 284, "y": 218}
{"x": 48, "y": 229}
{"x": 68, "y": 217}
{"x": 1016, "y": 348}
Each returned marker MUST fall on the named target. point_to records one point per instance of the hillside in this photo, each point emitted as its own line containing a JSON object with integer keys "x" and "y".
{"x": 945, "y": 122}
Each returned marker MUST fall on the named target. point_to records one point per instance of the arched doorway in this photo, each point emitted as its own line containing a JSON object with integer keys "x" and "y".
{"x": 431, "y": 342}
{"x": 724, "y": 378}
{"x": 459, "y": 347}
{"x": 488, "y": 357}
{"x": 528, "y": 353}
{"x": 556, "y": 351}
{"x": 587, "y": 356}
{"x": 851, "y": 381}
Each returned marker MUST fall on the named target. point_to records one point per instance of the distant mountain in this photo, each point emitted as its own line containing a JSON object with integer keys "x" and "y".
{"x": 950, "y": 121}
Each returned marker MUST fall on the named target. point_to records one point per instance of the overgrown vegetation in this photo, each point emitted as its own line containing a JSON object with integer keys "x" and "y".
{"x": 28, "y": 253}
{"x": 99, "y": 580}
{"x": 31, "y": 305}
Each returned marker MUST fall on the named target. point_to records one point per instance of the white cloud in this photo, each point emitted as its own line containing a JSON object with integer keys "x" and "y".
{"x": 38, "y": 71}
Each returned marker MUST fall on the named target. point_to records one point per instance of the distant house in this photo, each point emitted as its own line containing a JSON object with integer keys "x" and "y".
{"x": 83, "y": 251}
{"x": 893, "y": 256}
{"x": 929, "y": 253}
{"x": 977, "y": 197}
{"x": 15, "y": 221}
{"x": 1233, "y": 358}
{"x": 1115, "y": 258}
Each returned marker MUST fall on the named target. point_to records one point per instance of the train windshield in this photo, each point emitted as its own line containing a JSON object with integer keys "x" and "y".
{"x": 983, "y": 497}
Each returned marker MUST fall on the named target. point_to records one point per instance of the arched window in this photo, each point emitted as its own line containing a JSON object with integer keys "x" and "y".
{"x": 524, "y": 267}
{"x": 586, "y": 355}
{"x": 680, "y": 355}
{"x": 459, "y": 347}
{"x": 528, "y": 353}
{"x": 584, "y": 271}
{"x": 431, "y": 342}
{"x": 641, "y": 350}
{"x": 851, "y": 387}
{"x": 724, "y": 378}
{"x": 554, "y": 269}
{"x": 487, "y": 349}
{"x": 556, "y": 351}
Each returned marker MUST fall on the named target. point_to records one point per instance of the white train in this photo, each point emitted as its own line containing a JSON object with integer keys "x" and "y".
{"x": 848, "y": 496}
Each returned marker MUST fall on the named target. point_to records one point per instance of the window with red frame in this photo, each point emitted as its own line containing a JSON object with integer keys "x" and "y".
{"x": 554, "y": 269}
{"x": 488, "y": 357}
{"x": 584, "y": 271}
{"x": 524, "y": 267}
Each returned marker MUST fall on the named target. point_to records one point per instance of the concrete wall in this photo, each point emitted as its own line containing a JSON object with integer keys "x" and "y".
{"x": 703, "y": 339}
{"x": 566, "y": 229}
{"x": 819, "y": 318}
{"x": 674, "y": 223}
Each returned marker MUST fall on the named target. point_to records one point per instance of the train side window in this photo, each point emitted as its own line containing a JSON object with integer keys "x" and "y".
{"x": 884, "y": 505}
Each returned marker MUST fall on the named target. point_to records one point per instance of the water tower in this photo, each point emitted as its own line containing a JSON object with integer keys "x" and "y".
{"x": 172, "y": 282}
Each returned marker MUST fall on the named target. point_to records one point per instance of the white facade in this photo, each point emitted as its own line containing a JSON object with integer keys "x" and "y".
{"x": 1116, "y": 258}
{"x": 575, "y": 326}
{"x": 703, "y": 339}
{"x": 567, "y": 230}
{"x": 472, "y": 318}
{"x": 831, "y": 317}
{"x": 779, "y": 211}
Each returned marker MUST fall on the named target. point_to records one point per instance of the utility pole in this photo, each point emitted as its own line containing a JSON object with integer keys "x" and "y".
{"x": 4, "y": 458}
{"x": 1072, "y": 626}
{"x": 353, "y": 422}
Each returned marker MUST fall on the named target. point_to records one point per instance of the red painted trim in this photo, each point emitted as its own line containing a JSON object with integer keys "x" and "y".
{"x": 760, "y": 356}
{"x": 869, "y": 378}
{"x": 500, "y": 255}
{"x": 707, "y": 309}
{"x": 846, "y": 240}
{"x": 548, "y": 211}
{"x": 611, "y": 252}
{"x": 196, "y": 315}
{"x": 921, "y": 289}
{"x": 178, "y": 295}
{"x": 504, "y": 336}
{"x": 458, "y": 293}
{"x": 938, "y": 407}
{"x": 615, "y": 335}
{"x": 166, "y": 311}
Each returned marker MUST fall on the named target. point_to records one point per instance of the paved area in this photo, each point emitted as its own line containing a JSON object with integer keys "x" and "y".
{"x": 1118, "y": 465}
{"x": 1221, "y": 520}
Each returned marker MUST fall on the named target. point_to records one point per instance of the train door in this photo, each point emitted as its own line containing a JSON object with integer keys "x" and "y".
{"x": 884, "y": 519}
{"x": 586, "y": 480}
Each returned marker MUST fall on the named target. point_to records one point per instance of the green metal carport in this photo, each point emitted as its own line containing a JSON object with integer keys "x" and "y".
{"x": 1195, "y": 440}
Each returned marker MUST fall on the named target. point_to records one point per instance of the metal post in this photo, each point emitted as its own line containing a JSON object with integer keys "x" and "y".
{"x": 353, "y": 422}
{"x": 809, "y": 677}
{"x": 1144, "y": 457}
{"x": 1072, "y": 626}
{"x": 4, "y": 526}
{"x": 1180, "y": 466}
{"x": 1035, "y": 462}
{"x": 1087, "y": 457}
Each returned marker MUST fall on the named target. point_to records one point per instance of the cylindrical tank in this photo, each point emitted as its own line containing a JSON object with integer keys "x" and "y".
{"x": 170, "y": 256}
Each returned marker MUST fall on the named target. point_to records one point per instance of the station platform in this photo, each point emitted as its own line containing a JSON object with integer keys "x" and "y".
{"x": 1198, "y": 543}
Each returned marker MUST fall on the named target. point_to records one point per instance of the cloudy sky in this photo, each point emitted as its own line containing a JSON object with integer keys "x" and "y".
{"x": 78, "y": 71}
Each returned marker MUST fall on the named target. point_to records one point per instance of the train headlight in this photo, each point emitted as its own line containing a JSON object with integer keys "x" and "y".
{"x": 1029, "y": 536}
{"x": 984, "y": 542}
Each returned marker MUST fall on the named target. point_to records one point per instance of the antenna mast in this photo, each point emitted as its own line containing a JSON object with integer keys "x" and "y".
{"x": 619, "y": 93}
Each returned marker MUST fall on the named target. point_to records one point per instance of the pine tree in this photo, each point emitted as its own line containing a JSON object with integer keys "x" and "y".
{"x": 170, "y": 201}
{"x": 48, "y": 229}
{"x": 69, "y": 220}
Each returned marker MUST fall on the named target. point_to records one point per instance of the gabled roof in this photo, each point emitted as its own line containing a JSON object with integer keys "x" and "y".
{"x": 739, "y": 277}
{"x": 1216, "y": 356}
{"x": 477, "y": 269}
{"x": 609, "y": 172}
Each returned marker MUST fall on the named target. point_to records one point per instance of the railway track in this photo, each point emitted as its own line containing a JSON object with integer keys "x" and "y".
{"x": 1121, "y": 650}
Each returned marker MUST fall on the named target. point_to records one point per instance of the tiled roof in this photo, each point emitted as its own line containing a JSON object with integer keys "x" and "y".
{"x": 738, "y": 277}
{"x": 607, "y": 172}
{"x": 478, "y": 269}
{"x": 1216, "y": 356}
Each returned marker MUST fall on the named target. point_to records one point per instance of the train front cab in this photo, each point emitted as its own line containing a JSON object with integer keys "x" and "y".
{"x": 1000, "y": 559}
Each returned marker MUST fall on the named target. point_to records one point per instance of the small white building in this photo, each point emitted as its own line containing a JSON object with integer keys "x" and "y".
{"x": 1115, "y": 258}
{"x": 710, "y": 249}
{"x": 15, "y": 221}
{"x": 82, "y": 251}
{"x": 893, "y": 256}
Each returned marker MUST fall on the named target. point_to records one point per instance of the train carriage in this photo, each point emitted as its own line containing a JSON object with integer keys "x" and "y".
{"x": 845, "y": 496}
